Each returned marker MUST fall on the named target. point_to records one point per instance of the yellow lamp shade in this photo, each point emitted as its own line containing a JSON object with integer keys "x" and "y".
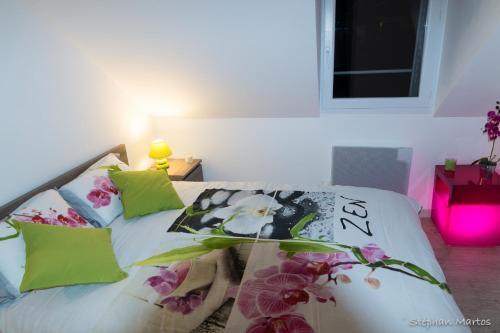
{"x": 159, "y": 149}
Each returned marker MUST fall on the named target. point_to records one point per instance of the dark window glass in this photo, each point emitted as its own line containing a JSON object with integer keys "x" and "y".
{"x": 378, "y": 48}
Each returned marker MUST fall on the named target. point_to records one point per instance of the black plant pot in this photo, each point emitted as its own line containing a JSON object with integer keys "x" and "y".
{"x": 487, "y": 170}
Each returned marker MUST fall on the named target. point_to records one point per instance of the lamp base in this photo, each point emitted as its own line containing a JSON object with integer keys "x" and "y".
{"x": 162, "y": 164}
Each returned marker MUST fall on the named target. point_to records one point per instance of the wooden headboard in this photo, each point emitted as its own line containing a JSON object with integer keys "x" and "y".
{"x": 57, "y": 182}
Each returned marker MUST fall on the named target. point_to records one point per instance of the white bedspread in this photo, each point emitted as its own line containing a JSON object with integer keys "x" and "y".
{"x": 80, "y": 308}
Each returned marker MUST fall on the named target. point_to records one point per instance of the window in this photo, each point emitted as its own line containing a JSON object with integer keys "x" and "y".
{"x": 380, "y": 53}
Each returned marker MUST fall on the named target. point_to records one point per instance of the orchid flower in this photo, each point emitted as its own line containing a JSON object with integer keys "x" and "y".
{"x": 248, "y": 215}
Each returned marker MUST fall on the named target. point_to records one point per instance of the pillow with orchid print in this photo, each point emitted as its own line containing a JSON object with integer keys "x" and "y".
{"x": 93, "y": 195}
{"x": 45, "y": 208}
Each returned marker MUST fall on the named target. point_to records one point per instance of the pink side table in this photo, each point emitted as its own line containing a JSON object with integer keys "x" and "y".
{"x": 466, "y": 206}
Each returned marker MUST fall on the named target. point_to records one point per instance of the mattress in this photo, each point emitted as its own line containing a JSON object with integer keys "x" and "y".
{"x": 400, "y": 303}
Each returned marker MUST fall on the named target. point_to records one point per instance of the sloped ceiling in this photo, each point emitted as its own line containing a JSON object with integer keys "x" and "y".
{"x": 225, "y": 58}
{"x": 218, "y": 58}
{"x": 469, "y": 81}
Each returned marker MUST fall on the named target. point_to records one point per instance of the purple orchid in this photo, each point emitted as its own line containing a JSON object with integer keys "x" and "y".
{"x": 272, "y": 295}
{"x": 104, "y": 183}
{"x": 492, "y": 126}
{"x": 314, "y": 265}
{"x": 185, "y": 304}
{"x": 99, "y": 198}
{"x": 289, "y": 323}
{"x": 164, "y": 283}
{"x": 169, "y": 279}
{"x": 275, "y": 293}
{"x": 492, "y": 130}
{"x": 100, "y": 195}
{"x": 72, "y": 219}
{"x": 75, "y": 219}
{"x": 373, "y": 253}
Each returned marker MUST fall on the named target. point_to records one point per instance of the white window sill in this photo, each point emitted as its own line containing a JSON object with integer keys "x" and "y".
{"x": 378, "y": 110}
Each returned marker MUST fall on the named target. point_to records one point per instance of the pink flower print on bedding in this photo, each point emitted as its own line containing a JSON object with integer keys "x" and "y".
{"x": 105, "y": 184}
{"x": 100, "y": 195}
{"x": 99, "y": 198}
{"x": 71, "y": 219}
{"x": 185, "y": 304}
{"x": 168, "y": 280}
{"x": 373, "y": 253}
{"x": 289, "y": 323}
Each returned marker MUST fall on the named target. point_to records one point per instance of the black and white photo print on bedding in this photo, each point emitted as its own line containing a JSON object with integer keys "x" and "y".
{"x": 258, "y": 213}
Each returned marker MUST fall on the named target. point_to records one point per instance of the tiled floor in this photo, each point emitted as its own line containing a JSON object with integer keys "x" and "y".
{"x": 473, "y": 275}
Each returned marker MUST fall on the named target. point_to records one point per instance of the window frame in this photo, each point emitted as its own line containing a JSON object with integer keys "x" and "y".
{"x": 433, "y": 40}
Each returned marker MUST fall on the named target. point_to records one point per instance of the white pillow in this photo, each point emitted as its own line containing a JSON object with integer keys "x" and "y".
{"x": 109, "y": 160}
{"x": 93, "y": 194}
{"x": 12, "y": 262}
{"x": 46, "y": 208}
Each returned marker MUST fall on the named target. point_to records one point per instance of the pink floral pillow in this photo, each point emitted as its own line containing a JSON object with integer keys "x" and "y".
{"x": 49, "y": 208}
{"x": 93, "y": 195}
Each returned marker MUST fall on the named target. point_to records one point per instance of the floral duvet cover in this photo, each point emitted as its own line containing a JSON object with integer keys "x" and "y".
{"x": 298, "y": 262}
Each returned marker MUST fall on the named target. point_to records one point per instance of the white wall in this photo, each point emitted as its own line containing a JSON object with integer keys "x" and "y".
{"x": 217, "y": 58}
{"x": 468, "y": 81}
{"x": 299, "y": 150}
{"x": 56, "y": 109}
{"x": 478, "y": 87}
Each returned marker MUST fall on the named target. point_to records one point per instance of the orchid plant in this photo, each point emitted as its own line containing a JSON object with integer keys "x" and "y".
{"x": 492, "y": 130}
{"x": 370, "y": 255}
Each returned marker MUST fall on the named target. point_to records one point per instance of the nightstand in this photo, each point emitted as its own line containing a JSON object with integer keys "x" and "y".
{"x": 180, "y": 170}
{"x": 466, "y": 206}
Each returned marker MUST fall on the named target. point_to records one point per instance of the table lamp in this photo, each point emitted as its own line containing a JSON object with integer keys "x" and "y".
{"x": 159, "y": 151}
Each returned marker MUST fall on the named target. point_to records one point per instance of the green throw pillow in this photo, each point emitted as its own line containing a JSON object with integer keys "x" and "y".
{"x": 60, "y": 256}
{"x": 145, "y": 192}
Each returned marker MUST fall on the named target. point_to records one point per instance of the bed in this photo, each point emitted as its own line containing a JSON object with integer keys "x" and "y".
{"x": 380, "y": 275}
